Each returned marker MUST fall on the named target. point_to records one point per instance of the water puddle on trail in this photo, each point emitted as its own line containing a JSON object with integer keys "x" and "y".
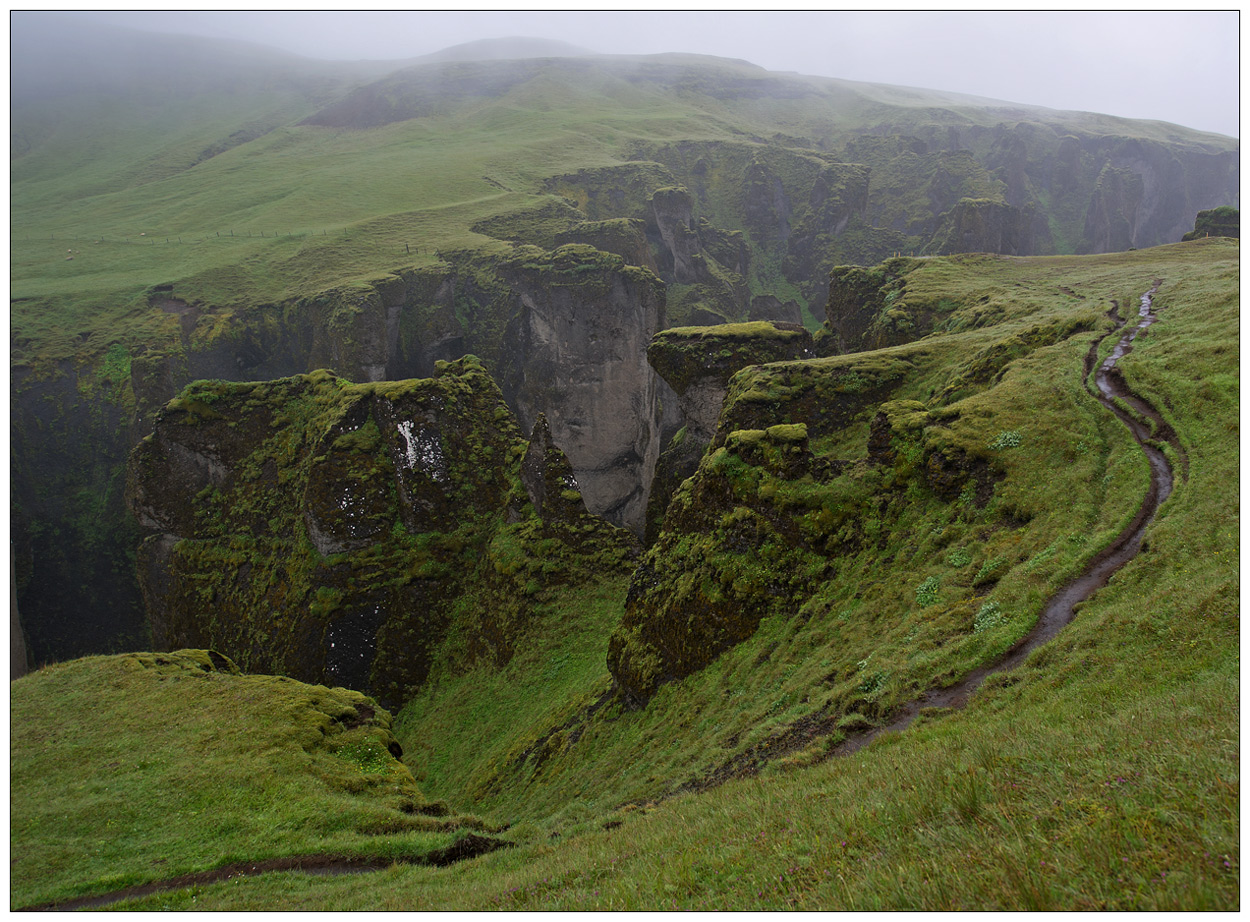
{"x": 1113, "y": 393}
{"x": 1148, "y": 429}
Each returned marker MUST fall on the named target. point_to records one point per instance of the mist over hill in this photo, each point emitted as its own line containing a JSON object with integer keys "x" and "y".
{"x": 497, "y": 49}
{"x": 642, "y": 481}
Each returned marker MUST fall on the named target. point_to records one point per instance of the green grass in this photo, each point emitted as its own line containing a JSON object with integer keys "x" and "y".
{"x": 137, "y": 767}
{"x": 1101, "y": 775}
{"x": 1111, "y": 757}
{"x": 176, "y": 184}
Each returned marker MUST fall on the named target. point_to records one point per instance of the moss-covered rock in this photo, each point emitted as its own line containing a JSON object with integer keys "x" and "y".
{"x": 773, "y": 513}
{"x": 752, "y": 532}
{"x": 867, "y": 307}
{"x": 685, "y": 356}
{"x": 626, "y": 237}
{"x": 985, "y": 226}
{"x": 1224, "y": 221}
{"x": 697, "y": 363}
{"x": 325, "y": 530}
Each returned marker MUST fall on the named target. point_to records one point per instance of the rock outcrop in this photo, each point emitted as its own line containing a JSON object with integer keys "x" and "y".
{"x": 576, "y": 352}
{"x": 767, "y": 307}
{"x": 867, "y": 308}
{"x": 697, "y": 363}
{"x": 324, "y": 530}
{"x": 672, "y": 211}
{"x": 985, "y": 226}
{"x": 744, "y": 537}
{"x": 1224, "y": 221}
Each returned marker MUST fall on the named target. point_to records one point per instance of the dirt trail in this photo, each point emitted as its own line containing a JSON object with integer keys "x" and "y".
{"x": 326, "y": 865}
{"x": 1148, "y": 429}
{"x": 1060, "y": 610}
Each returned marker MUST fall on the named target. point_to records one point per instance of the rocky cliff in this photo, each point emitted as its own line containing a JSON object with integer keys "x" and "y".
{"x": 1216, "y": 222}
{"x": 567, "y": 330}
{"x": 758, "y": 526}
{"x": 697, "y": 363}
{"x": 576, "y": 352}
{"x": 813, "y": 472}
{"x": 867, "y": 308}
{"x": 328, "y": 531}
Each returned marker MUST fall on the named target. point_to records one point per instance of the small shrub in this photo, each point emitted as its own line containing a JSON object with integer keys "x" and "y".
{"x": 115, "y": 368}
{"x": 849, "y": 383}
{"x": 1043, "y": 555}
{"x": 370, "y": 757}
{"x": 988, "y": 568}
{"x": 926, "y": 592}
{"x": 873, "y": 682}
{"x": 1009, "y": 438}
{"x": 959, "y": 557}
{"x": 988, "y": 616}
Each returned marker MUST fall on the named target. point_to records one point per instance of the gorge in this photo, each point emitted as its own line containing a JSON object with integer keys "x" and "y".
{"x": 431, "y": 458}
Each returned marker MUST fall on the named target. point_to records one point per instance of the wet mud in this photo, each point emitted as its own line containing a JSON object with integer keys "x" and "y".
{"x": 321, "y": 865}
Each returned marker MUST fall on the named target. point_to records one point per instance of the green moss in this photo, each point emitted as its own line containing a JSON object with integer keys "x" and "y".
{"x": 683, "y": 355}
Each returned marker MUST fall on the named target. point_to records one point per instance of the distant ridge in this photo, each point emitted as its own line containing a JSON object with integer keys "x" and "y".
{"x": 502, "y": 49}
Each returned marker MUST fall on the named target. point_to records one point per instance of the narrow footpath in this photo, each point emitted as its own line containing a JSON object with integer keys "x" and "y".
{"x": 1148, "y": 429}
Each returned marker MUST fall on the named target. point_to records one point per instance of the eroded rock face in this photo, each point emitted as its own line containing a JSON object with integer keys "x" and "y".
{"x": 697, "y": 363}
{"x": 768, "y": 307}
{"x": 325, "y": 530}
{"x": 626, "y": 237}
{"x": 577, "y": 347}
{"x": 548, "y": 477}
{"x": 724, "y": 562}
{"x": 979, "y": 226}
{"x": 763, "y": 520}
{"x": 1224, "y": 221}
{"x": 672, "y": 211}
{"x": 867, "y": 308}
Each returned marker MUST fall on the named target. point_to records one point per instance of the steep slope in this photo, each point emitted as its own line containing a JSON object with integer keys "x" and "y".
{"x": 152, "y": 770}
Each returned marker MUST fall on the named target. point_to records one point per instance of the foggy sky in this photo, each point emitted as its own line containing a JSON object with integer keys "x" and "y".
{"x": 1174, "y": 67}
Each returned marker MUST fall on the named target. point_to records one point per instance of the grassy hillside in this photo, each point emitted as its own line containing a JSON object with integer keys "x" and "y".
{"x": 1102, "y": 774}
{"x": 249, "y": 180}
{"x": 904, "y": 589}
{"x": 143, "y": 766}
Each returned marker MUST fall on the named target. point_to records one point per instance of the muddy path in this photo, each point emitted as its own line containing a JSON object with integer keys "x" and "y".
{"x": 1106, "y": 384}
{"x": 322, "y": 865}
